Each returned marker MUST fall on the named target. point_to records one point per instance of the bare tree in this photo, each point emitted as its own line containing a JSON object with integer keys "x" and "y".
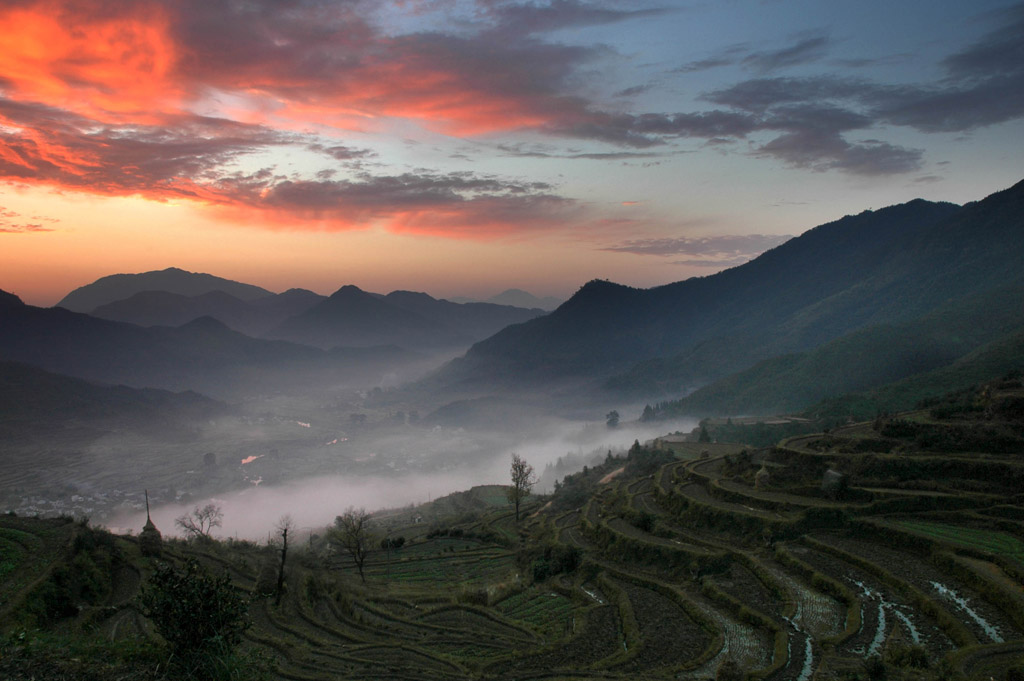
{"x": 351, "y": 532}
{"x": 284, "y": 524}
{"x": 523, "y": 481}
{"x": 201, "y": 521}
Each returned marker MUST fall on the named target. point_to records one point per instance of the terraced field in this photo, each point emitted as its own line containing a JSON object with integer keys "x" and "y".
{"x": 698, "y": 568}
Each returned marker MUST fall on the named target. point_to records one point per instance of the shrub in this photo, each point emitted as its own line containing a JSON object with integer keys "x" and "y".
{"x": 551, "y": 560}
{"x": 200, "y": 616}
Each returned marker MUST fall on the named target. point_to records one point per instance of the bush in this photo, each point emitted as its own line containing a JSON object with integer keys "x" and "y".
{"x": 200, "y": 616}
{"x": 907, "y": 656}
{"x": 553, "y": 560}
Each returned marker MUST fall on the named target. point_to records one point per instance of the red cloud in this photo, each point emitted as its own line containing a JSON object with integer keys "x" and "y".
{"x": 83, "y": 57}
{"x": 105, "y": 98}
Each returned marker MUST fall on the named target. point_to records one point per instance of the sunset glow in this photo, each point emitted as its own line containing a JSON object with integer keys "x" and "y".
{"x": 468, "y": 147}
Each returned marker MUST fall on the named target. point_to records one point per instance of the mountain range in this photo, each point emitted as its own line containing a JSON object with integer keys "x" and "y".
{"x": 36, "y": 403}
{"x": 203, "y": 355}
{"x": 164, "y": 308}
{"x": 848, "y": 306}
{"x": 884, "y": 267}
{"x": 353, "y": 317}
{"x": 516, "y": 297}
{"x": 350, "y": 317}
{"x": 117, "y": 287}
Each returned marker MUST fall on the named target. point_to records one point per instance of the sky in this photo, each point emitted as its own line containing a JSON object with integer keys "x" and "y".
{"x": 463, "y": 147}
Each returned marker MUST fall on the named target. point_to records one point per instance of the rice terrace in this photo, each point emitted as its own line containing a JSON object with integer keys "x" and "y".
{"x": 885, "y": 549}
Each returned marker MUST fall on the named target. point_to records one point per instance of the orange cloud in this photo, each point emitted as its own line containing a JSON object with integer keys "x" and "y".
{"x": 82, "y": 57}
{"x": 104, "y": 98}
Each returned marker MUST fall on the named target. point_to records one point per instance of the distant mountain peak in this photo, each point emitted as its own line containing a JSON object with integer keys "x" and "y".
{"x": 348, "y": 290}
{"x": 410, "y": 295}
{"x": 207, "y": 323}
{"x": 520, "y": 298}
{"x": 600, "y": 289}
{"x": 601, "y": 285}
{"x": 9, "y": 299}
{"x": 117, "y": 287}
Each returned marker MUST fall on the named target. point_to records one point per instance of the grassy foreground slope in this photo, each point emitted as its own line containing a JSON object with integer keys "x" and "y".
{"x": 886, "y": 549}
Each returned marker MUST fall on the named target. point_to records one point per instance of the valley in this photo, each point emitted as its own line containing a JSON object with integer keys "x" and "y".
{"x": 676, "y": 559}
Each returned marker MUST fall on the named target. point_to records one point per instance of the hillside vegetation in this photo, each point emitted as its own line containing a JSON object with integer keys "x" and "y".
{"x": 891, "y": 549}
{"x": 874, "y": 357}
{"x": 907, "y": 268}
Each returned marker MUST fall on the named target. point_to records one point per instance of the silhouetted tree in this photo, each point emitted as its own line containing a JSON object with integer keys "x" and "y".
{"x": 612, "y": 419}
{"x": 284, "y": 525}
{"x": 200, "y": 522}
{"x": 351, "y": 533}
{"x": 704, "y": 436}
{"x": 523, "y": 480}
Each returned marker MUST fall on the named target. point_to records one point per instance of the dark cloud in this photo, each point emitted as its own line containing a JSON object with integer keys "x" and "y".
{"x": 821, "y": 151}
{"x": 340, "y": 152}
{"x": 711, "y": 250}
{"x": 519, "y": 19}
{"x": 651, "y": 130}
{"x": 869, "y": 62}
{"x": 633, "y": 91}
{"x": 951, "y": 108}
{"x": 984, "y": 85}
{"x": 12, "y": 222}
{"x": 760, "y": 95}
{"x": 193, "y": 157}
{"x": 998, "y": 54}
{"x": 533, "y": 151}
{"x": 807, "y": 50}
{"x": 705, "y": 64}
{"x": 460, "y": 203}
{"x": 56, "y": 146}
{"x": 395, "y": 191}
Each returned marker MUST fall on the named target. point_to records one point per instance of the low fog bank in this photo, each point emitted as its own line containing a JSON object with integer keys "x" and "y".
{"x": 313, "y": 502}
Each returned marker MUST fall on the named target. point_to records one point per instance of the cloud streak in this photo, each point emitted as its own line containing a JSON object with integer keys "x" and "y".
{"x": 12, "y": 222}
{"x": 711, "y": 251}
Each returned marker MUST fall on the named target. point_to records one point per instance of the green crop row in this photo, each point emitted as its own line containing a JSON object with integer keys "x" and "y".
{"x": 997, "y": 543}
{"x": 537, "y": 608}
